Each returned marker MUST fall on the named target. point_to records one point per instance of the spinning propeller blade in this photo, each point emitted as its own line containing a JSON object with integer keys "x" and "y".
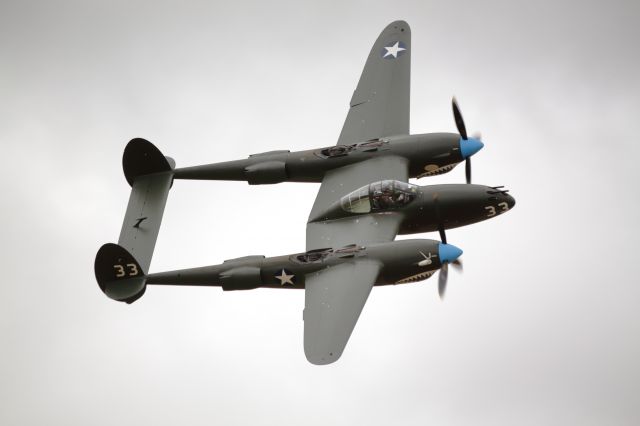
{"x": 457, "y": 265}
{"x": 468, "y": 146}
{"x": 436, "y": 201}
{"x": 442, "y": 280}
{"x": 457, "y": 115}
{"x": 448, "y": 253}
{"x": 443, "y": 276}
{"x": 467, "y": 169}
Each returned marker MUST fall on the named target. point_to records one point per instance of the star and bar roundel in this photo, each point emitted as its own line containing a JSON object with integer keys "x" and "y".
{"x": 393, "y": 49}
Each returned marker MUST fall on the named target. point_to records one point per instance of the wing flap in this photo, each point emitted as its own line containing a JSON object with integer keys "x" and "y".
{"x": 334, "y": 299}
{"x": 365, "y": 229}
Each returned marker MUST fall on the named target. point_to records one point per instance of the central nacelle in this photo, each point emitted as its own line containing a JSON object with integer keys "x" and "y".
{"x": 385, "y": 195}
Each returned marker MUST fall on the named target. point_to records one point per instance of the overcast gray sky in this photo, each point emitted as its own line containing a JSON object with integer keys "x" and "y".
{"x": 542, "y": 328}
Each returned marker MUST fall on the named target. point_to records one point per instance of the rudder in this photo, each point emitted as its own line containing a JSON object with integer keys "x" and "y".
{"x": 119, "y": 274}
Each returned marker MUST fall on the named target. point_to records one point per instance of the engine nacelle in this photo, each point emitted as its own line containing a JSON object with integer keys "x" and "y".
{"x": 266, "y": 172}
{"x": 241, "y": 278}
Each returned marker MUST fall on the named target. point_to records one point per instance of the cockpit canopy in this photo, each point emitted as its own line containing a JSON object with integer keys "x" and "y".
{"x": 383, "y": 195}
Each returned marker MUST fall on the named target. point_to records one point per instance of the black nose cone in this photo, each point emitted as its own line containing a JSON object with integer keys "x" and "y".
{"x": 510, "y": 201}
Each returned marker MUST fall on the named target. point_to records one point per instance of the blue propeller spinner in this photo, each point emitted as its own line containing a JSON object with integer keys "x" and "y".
{"x": 448, "y": 253}
{"x": 470, "y": 146}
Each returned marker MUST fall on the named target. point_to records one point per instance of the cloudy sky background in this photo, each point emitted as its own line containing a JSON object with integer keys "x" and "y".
{"x": 543, "y": 327}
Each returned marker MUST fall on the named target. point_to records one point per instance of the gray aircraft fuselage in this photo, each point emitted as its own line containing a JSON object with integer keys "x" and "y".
{"x": 427, "y": 155}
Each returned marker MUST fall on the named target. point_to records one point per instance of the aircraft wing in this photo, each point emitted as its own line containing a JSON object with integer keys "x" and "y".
{"x": 334, "y": 298}
{"x": 380, "y": 104}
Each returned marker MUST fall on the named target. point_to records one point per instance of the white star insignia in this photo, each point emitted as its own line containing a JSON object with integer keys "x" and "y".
{"x": 394, "y": 50}
{"x": 284, "y": 278}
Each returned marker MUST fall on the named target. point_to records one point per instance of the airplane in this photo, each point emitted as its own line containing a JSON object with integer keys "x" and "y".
{"x": 364, "y": 201}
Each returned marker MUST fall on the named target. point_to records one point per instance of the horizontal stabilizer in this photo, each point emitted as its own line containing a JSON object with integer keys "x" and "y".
{"x": 150, "y": 175}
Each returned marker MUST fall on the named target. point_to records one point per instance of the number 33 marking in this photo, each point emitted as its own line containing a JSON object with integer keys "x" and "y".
{"x": 491, "y": 210}
{"x": 121, "y": 271}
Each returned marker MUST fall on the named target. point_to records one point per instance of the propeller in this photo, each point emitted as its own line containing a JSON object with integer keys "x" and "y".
{"x": 457, "y": 115}
{"x": 468, "y": 146}
{"x": 443, "y": 276}
{"x": 467, "y": 169}
{"x": 436, "y": 204}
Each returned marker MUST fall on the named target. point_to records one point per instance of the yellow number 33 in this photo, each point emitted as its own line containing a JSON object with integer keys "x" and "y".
{"x": 130, "y": 269}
